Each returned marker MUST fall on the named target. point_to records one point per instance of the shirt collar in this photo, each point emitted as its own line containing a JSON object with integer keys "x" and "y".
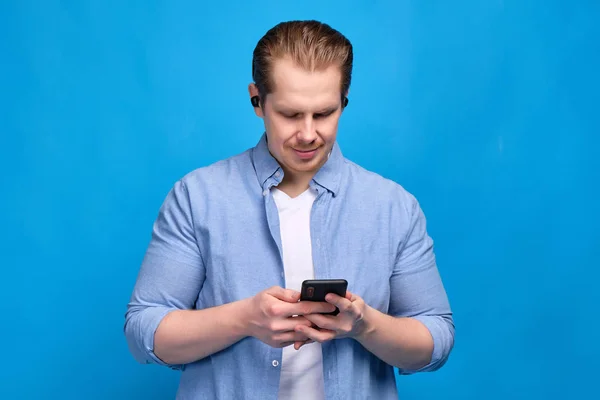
{"x": 266, "y": 166}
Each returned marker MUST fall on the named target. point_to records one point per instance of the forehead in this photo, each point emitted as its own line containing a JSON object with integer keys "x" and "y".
{"x": 294, "y": 86}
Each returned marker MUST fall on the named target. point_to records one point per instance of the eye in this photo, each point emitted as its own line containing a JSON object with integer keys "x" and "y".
{"x": 290, "y": 116}
{"x": 323, "y": 115}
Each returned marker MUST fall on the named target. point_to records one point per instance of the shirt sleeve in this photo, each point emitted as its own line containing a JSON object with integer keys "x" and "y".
{"x": 170, "y": 277}
{"x": 417, "y": 290}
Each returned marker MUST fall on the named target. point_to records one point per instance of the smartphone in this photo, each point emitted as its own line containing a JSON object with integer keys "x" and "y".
{"x": 317, "y": 289}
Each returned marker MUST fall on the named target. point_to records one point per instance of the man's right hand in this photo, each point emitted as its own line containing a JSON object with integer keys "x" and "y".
{"x": 275, "y": 312}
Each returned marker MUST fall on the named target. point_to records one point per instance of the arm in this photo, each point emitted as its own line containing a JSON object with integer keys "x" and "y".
{"x": 404, "y": 343}
{"x": 419, "y": 311}
{"x": 185, "y": 336}
{"x": 162, "y": 325}
{"x": 418, "y": 333}
{"x": 169, "y": 281}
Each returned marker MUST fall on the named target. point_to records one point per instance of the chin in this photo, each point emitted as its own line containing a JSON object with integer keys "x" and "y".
{"x": 310, "y": 165}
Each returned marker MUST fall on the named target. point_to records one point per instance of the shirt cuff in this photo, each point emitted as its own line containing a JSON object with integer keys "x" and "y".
{"x": 443, "y": 340}
{"x": 143, "y": 326}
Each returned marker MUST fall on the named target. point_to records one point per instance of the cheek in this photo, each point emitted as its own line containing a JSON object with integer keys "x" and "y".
{"x": 277, "y": 135}
{"x": 328, "y": 130}
{"x": 280, "y": 132}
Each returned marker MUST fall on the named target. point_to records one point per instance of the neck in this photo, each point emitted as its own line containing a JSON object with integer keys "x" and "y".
{"x": 295, "y": 184}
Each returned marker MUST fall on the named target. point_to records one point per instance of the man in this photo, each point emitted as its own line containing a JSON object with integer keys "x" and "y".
{"x": 218, "y": 291}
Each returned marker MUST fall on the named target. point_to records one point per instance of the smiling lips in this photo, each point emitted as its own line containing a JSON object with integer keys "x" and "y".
{"x": 306, "y": 154}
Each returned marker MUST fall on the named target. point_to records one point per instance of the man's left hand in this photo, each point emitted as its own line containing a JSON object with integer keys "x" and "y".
{"x": 349, "y": 323}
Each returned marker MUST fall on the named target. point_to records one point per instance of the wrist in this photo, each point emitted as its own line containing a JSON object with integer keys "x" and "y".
{"x": 368, "y": 324}
{"x": 242, "y": 319}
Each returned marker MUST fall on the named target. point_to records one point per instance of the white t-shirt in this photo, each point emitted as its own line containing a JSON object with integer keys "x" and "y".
{"x": 301, "y": 370}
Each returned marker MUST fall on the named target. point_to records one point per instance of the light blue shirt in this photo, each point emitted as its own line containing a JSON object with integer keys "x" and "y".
{"x": 217, "y": 240}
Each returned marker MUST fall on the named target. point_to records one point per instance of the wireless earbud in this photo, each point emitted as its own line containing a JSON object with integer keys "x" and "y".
{"x": 344, "y": 102}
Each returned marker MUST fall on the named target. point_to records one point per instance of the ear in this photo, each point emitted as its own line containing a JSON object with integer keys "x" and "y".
{"x": 253, "y": 92}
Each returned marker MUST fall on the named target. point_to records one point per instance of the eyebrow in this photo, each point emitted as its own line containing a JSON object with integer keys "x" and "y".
{"x": 328, "y": 110}
{"x": 325, "y": 110}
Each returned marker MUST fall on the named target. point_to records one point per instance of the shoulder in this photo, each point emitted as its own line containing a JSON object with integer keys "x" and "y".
{"x": 373, "y": 188}
{"x": 210, "y": 184}
{"x": 218, "y": 174}
{"x": 383, "y": 203}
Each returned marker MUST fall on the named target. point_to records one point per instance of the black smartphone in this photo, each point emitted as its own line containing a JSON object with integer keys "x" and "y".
{"x": 317, "y": 289}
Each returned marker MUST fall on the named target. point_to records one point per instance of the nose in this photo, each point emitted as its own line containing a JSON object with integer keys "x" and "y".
{"x": 307, "y": 132}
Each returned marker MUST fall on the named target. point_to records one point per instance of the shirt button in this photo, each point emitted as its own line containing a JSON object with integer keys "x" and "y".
{"x": 318, "y": 242}
{"x": 266, "y": 192}
{"x": 275, "y": 363}
{"x": 277, "y": 174}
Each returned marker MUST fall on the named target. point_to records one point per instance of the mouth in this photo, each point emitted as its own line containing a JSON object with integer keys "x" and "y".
{"x": 306, "y": 154}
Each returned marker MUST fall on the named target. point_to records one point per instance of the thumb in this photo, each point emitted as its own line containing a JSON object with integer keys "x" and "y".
{"x": 287, "y": 295}
{"x": 297, "y": 345}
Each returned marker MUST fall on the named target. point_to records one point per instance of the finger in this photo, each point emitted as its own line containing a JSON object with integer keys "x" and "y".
{"x": 323, "y": 321}
{"x": 352, "y": 297}
{"x": 299, "y": 319}
{"x": 318, "y": 336}
{"x": 289, "y": 324}
{"x": 342, "y": 303}
{"x": 312, "y": 307}
{"x": 287, "y": 295}
{"x": 292, "y": 336}
{"x": 297, "y": 345}
{"x": 279, "y": 325}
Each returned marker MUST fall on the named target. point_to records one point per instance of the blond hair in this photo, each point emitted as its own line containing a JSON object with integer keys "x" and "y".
{"x": 312, "y": 45}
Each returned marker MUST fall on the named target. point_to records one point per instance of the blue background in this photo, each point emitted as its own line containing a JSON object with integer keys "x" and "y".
{"x": 486, "y": 110}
